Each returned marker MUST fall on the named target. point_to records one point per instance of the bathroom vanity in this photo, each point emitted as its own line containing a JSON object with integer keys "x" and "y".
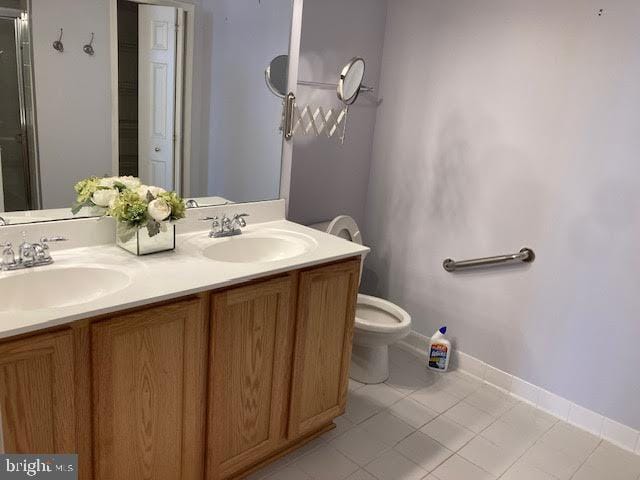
{"x": 240, "y": 364}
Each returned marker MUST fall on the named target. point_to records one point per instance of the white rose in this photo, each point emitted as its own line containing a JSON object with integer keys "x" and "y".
{"x": 132, "y": 183}
{"x": 104, "y": 198}
{"x": 159, "y": 209}
{"x": 155, "y": 191}
{"x": 107, "y": 182}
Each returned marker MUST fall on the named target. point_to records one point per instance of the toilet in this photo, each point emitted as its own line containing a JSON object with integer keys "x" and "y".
{"x": 379, "y": 322}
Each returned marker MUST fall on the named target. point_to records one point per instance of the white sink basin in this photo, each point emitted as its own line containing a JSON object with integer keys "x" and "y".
{"x": 259, "y": 247}
{"x": 57, "y": 287}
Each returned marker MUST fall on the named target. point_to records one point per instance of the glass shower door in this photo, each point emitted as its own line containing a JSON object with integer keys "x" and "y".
{"x": 14, "y": 187}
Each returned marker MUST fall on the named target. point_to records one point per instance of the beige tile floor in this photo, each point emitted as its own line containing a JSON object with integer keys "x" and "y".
{"x": 419, "y": 425}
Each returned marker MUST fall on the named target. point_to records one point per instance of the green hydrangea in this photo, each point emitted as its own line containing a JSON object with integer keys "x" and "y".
{"x": 176, "y": 203}
{"x": 131, "y": 209}
{"x": 86, "y": 188}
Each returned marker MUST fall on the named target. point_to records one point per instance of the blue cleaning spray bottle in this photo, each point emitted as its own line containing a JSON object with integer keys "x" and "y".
{"x": 439, "y": 351}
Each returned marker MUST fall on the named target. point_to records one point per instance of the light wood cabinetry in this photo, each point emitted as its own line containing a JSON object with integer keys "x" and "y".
{"x": 149, "y": 387}
{"x": 37, "y": 394}
{"x": 206, "y": 387}
{"x": 252, "y": 335}
{"x": 325, "y": 322}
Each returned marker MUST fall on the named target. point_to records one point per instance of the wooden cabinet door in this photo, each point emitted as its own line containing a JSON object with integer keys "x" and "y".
{"x": 149, "y": 384}
{"x": 249, "y": 374}
{"x": 322, "y": 352}
{"x": 37, "y": 394}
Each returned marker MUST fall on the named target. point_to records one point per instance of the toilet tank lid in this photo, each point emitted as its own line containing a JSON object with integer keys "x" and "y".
{"x": 344, "y": 223}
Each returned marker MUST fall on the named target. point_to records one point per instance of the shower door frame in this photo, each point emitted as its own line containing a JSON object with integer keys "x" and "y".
{"x": 22, "y": 27}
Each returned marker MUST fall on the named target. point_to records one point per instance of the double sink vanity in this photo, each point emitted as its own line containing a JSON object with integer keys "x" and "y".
{"x": 206, "y": 362}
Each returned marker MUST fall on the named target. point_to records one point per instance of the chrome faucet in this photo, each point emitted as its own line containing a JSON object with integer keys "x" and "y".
{"x": 192, "y": 203}
{"x": 227, "y": 227}
{"x": 3, "y": 222}
{"x": 26, "y": 252}
{"x": 8, "y": 257}
{"x": 29, "y": 254}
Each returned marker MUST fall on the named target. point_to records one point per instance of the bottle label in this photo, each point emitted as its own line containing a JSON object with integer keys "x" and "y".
{"x": 438, "y": 356}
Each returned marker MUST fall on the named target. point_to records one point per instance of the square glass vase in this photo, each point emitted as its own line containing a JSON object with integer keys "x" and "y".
{"x": 138, "y": 241}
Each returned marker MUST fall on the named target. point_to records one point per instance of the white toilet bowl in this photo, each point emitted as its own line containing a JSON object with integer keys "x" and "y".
{"x": 379, "y": 322}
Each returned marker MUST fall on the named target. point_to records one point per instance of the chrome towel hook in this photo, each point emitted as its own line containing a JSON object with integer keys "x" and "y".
{"x": 57, "y": 45}
{"x": 88, "y": 48}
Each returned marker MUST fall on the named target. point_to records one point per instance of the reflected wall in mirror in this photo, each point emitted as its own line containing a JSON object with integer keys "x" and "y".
{"x": 173, "y": 93}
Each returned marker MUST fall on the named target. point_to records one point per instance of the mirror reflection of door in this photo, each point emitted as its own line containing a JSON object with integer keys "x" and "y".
{"x": 150, "y": 69}
{"x": 15, "y": 180}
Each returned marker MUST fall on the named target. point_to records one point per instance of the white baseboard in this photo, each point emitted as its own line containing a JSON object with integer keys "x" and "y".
{"x": 601, "y": 426}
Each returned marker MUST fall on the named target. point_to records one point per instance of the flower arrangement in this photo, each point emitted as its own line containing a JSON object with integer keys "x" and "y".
{"x": 129, "y": 202}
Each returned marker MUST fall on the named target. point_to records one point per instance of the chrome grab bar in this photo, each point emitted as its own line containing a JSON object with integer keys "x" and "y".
{"x": 525, "y": 255}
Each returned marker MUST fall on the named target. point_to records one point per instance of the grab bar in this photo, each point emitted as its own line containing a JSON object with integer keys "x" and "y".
{"x": 525, "y": 255}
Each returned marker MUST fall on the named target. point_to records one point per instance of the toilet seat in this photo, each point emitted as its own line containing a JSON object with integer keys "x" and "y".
{"x": 378, "y": 315}
{"x": 344, "y": 226}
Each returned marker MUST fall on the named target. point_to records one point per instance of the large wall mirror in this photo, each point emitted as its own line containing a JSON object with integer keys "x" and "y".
{"x": 169, "y": 91}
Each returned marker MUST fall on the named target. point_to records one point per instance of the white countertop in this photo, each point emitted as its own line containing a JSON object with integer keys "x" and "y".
{"x": 162, "y": 276}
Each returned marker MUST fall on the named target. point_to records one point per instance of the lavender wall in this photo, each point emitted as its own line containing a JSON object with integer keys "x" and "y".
{"x": 504, "y": 124}
{"x": 329, "y": 179}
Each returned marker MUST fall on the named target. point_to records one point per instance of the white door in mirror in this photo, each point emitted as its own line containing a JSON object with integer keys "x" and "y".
{"x": 156, "y": 94}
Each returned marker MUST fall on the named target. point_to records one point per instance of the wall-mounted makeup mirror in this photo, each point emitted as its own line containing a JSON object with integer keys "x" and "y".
{"x": 173, "y": 94}
{"x": 318, "y": 120}
{"x": 349, "y": 86}
{"x": 276, "y": 75}
{"x": 350, "y": 81}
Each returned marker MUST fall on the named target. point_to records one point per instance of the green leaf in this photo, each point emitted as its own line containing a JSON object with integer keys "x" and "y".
{"x": 119, "y": 186}
{"x": 76, "y": 207}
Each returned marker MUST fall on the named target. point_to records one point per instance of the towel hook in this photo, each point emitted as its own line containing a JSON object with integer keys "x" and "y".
{"x": 88, "y": 48}
{"x": 57, "y": 45}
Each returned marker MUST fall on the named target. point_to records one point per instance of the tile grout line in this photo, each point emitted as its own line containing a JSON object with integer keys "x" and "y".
{"x": 538, "y": 441}
{"x": 456, "y": 452}
{"x": 418, "y": 430}
{"x": 479, "y": 434}
{"x": 526, "y": 450}
{"x": 587, "y": 459}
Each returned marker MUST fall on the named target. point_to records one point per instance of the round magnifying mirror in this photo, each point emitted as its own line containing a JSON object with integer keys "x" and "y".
{"x": 351, "y": 80}
{"x": 277, "y": 75}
